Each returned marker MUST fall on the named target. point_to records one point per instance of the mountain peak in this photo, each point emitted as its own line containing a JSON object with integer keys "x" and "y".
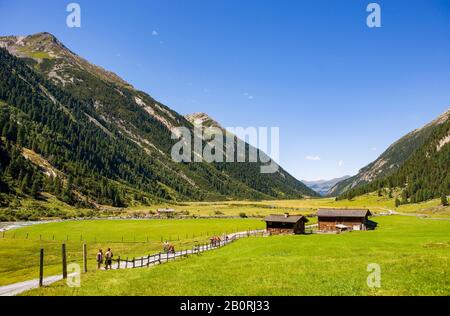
{"x": 57, "y": 61}
{"x": 205, "y": 119}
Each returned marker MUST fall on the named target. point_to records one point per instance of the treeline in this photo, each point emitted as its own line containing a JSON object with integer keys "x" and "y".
{"x": 424, "y": 176}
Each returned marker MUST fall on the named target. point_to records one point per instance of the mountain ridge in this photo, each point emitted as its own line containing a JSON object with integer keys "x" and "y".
{"x": 323, "y": 186}
{"x": 392, "y": 158}
{"x": 127, "y": 117}
{"x": 422, "y": 172}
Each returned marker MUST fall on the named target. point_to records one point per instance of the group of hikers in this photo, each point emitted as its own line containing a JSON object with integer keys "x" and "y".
{"x": 107, "y": 258}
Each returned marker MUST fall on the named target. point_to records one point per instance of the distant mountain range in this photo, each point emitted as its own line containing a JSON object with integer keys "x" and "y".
{"x": 323, "y": 186}
{"x": 83, "y": 134}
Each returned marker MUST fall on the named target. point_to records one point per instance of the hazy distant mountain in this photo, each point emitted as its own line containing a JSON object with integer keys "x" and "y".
{"x": 105, "y": 141}
{"x": 323, "y": 186}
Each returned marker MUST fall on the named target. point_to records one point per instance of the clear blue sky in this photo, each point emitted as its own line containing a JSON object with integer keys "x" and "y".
{"x": 338, "y": 90}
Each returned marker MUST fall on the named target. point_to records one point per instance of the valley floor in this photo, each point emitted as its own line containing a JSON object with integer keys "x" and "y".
{"x": 412, "y": 254}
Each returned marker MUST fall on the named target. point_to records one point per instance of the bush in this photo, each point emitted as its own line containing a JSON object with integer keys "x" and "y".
{"x": 242, "y": 215}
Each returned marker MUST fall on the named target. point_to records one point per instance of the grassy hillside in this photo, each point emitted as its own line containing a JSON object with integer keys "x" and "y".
{"x": 19, "y": 256}
{"x": 413, "y": 255}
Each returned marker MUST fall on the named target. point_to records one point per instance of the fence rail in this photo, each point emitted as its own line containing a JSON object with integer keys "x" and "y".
{"x": 159, "y": 258}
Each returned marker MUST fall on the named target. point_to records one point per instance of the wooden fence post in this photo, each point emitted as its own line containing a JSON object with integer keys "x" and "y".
{"x": 134, "y": 262}
{"x": 85, "y": 258}
{"x": 148, "y": 260}
{"x": 126, "y": 263}
{"x": 27, "y": 235}
{"x": 118, "y": 263}
{"x": 159, "y": 258}
{"x": 41, "y": 268}
{"x": 142, "y": 262}
{"x": 64, "y": 261}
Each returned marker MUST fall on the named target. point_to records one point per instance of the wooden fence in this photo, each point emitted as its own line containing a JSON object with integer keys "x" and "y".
{"x": 150, "y": 260}
{"x": 159, "y": 258}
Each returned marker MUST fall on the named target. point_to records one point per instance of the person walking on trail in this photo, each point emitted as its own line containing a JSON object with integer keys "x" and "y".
{"x": 99, "y": 259}
{"x": 108, "y": 259}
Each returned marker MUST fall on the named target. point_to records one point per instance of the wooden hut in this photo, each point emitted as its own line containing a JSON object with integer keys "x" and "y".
{"x": 344, "y": 219}
{"x": 285, "y": 224}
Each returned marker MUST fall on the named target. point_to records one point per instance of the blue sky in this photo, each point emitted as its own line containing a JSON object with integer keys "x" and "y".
{"x": 340, "y": 92}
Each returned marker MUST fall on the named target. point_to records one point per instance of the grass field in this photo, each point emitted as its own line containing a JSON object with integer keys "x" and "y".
{"x": 304, "y": 206}
{"x": 19, "y": 256}
{"x": 33, "y": 210}
{"x": 413, "y": 255}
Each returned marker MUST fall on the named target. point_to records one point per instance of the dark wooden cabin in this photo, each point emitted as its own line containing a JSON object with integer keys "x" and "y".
{"x": 344, "y": 219}
{"x": 285, "y": 224}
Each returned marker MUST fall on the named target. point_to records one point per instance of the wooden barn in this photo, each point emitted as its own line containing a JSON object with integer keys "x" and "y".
{"x": 344, "y": 219}
{"x": 285, "y": 224}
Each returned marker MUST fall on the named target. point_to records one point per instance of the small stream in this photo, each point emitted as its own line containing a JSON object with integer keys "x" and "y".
{"x": 5, "y": 226}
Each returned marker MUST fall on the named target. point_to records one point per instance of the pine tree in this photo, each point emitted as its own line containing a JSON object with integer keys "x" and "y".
{"x": 36, "y": 188}
{"x": 444, "y": 200}
{"x": 26, "y": 183}
{"x": 397, "y": 202}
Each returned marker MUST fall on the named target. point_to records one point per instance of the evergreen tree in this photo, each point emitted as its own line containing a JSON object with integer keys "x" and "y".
{"x": 26, "y": 184}
{"x": 36, "y": 188}
{"x": 444, "y": 200}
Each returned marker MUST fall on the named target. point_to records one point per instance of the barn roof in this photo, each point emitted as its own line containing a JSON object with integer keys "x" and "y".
{"x": 285, "y": 218}
{"x": 329, "y": 212}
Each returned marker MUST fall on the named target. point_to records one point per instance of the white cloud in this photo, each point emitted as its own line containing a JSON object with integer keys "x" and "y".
{"x": 313, "y": 158}
{"x": 248, "y": 96}
{"x": 340, "y": 163}
{"x": 154, "y": 33}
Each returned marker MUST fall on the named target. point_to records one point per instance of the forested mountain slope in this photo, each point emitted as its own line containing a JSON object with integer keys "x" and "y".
{"x": 102, "y": 141}
{"x": 425, "y": 174}
{"x": 392, "y": 159}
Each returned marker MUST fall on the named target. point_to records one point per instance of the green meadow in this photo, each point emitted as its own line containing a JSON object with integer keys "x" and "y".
{"x": 371, "y": 201}
{"x": 19, "y": 248}
{"x": 412, "y": 253}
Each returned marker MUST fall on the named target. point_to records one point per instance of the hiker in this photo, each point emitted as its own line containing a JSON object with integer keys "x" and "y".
{"x": 108, "y": 259}
{"x": 99, "y": 259}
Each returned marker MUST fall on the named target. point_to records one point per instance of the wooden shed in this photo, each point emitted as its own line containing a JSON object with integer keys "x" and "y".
{"x": 344, "y": 219}
{"x": 285, "y": 224}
